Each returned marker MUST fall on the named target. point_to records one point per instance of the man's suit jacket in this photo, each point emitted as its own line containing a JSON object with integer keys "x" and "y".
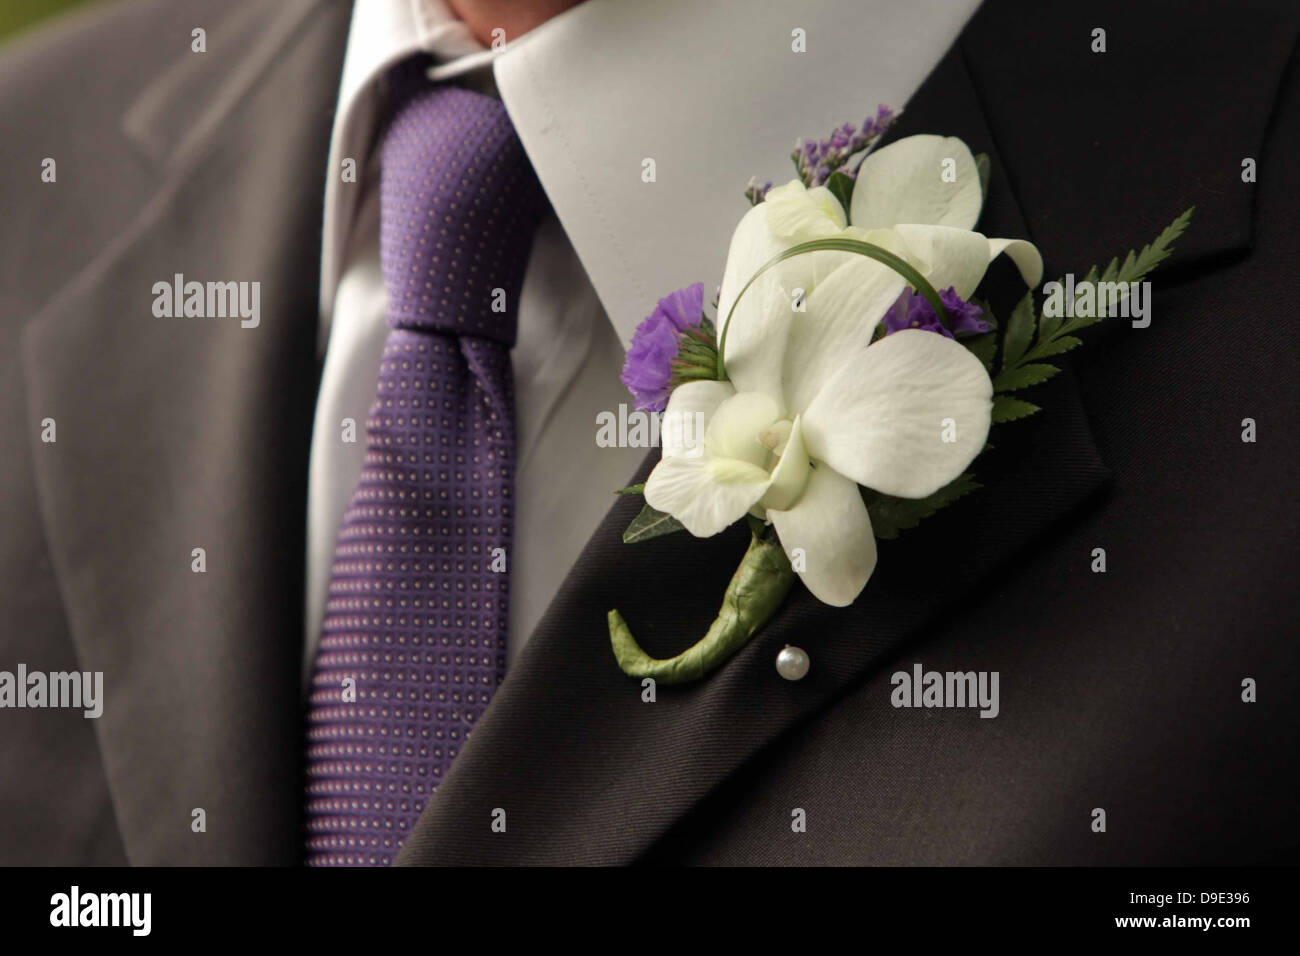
{"x": 1120, "y": 690}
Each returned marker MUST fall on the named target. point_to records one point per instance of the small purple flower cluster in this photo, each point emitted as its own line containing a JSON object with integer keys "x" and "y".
{"x": 815, "y": 161}
{"x": 756, "y": 193}
{"x": 912, "y": 311}
{"x": 648, "y": 369}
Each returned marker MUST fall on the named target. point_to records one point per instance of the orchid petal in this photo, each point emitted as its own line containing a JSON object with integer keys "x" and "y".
{"x": 905, "y": 182}
{"x": 755, "y": 344}
{"x": 839, "y": 317}
{"x": 830, "y": 526}
{"x": 946, "y": 256}
{"x": 905, "y": 418}
{"x": 706, "y": 494}
{"x": 1024, "y": 254}
{"x": 690, "y": 409}
{"x": 790, "y": 474}
{"x": 796, "y": 214}
{"x": 736, "y": 426}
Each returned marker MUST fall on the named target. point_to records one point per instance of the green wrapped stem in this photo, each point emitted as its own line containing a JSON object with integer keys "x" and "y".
{"x": 756, "y": 590}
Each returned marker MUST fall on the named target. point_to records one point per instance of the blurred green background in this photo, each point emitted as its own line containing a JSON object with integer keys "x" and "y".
{"x": 19, "y": 15}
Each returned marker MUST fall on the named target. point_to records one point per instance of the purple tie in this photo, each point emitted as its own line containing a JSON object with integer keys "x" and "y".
{"x": 414, "y": 639}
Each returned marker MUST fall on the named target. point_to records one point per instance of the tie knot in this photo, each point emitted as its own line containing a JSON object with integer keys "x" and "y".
{"x": 459, "y": 203}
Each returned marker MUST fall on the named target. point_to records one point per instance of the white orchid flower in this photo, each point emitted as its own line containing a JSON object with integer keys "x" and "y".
{"x": 812, "y": 408}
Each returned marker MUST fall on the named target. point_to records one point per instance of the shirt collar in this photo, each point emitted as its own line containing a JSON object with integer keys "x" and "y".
{"x": 713, "y": 93}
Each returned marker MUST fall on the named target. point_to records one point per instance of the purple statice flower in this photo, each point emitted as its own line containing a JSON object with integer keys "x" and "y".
{"x": 648, "y": 369}
{"x": 816, "y": 160}
{"x": 912, "y": 311}
{"x": 756, "y": 193}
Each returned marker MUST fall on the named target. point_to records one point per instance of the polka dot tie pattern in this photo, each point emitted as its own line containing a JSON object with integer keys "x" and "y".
{"x": 413, "y": 643}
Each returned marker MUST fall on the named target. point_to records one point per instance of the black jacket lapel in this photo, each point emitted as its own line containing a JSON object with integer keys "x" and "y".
{"x": 585, "y": 771}
{"x": 1162, "y": 120}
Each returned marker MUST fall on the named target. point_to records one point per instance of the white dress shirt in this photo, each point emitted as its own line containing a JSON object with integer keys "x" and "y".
{"x": 713, "y": 93}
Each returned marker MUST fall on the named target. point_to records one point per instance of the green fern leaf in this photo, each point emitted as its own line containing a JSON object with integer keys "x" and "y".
{"x": 1023, "y": 376}
{"x": 1135, "y": 268}
{"x": 1008, "y": 409}
{"x": 984, "y": 167}
{"x": 1055, "y": 347}
{"x": 1020, "y": 330}
{"x": 891, "y": 515}
{"x": 983, "y": 348}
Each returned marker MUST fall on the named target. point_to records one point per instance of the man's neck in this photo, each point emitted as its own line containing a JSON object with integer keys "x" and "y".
{"x": 512, "y": 16}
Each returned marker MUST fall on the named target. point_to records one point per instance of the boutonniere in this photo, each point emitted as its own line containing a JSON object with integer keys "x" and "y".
{"x": 849, "y": 377}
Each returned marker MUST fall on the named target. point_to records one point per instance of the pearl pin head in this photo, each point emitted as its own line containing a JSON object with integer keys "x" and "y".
{"x": 792, "y": 662}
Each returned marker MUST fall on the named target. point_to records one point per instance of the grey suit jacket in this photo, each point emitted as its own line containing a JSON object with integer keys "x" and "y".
{"x": 167, "y": 162}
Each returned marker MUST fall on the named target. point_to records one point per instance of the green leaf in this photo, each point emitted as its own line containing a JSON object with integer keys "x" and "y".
{"x": 890, "y": 515}
{"x": 1081, "y": 322}
{"x": 985, "y": 168}
{"x": 841, "y": 187}
{"x": 986, "y": 310}
{"x": 1020, "y": 329}
{"x": 1008, "y": 409}
{"x": 1050, "y": 325}
{"x": 1054, "y": 347}
{"x": 632, "y": 490}
{"x": 1136, "y": 267}
{"x": 681, "y": 374}
{"x": 650, "y": 524}
{"x": 691, "y": 349}
{"x": 697, "y": 355}
{"x": 1021, "y": 365}
{"x": 982, "y": 347}
{"x": 1022, "y": 376}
